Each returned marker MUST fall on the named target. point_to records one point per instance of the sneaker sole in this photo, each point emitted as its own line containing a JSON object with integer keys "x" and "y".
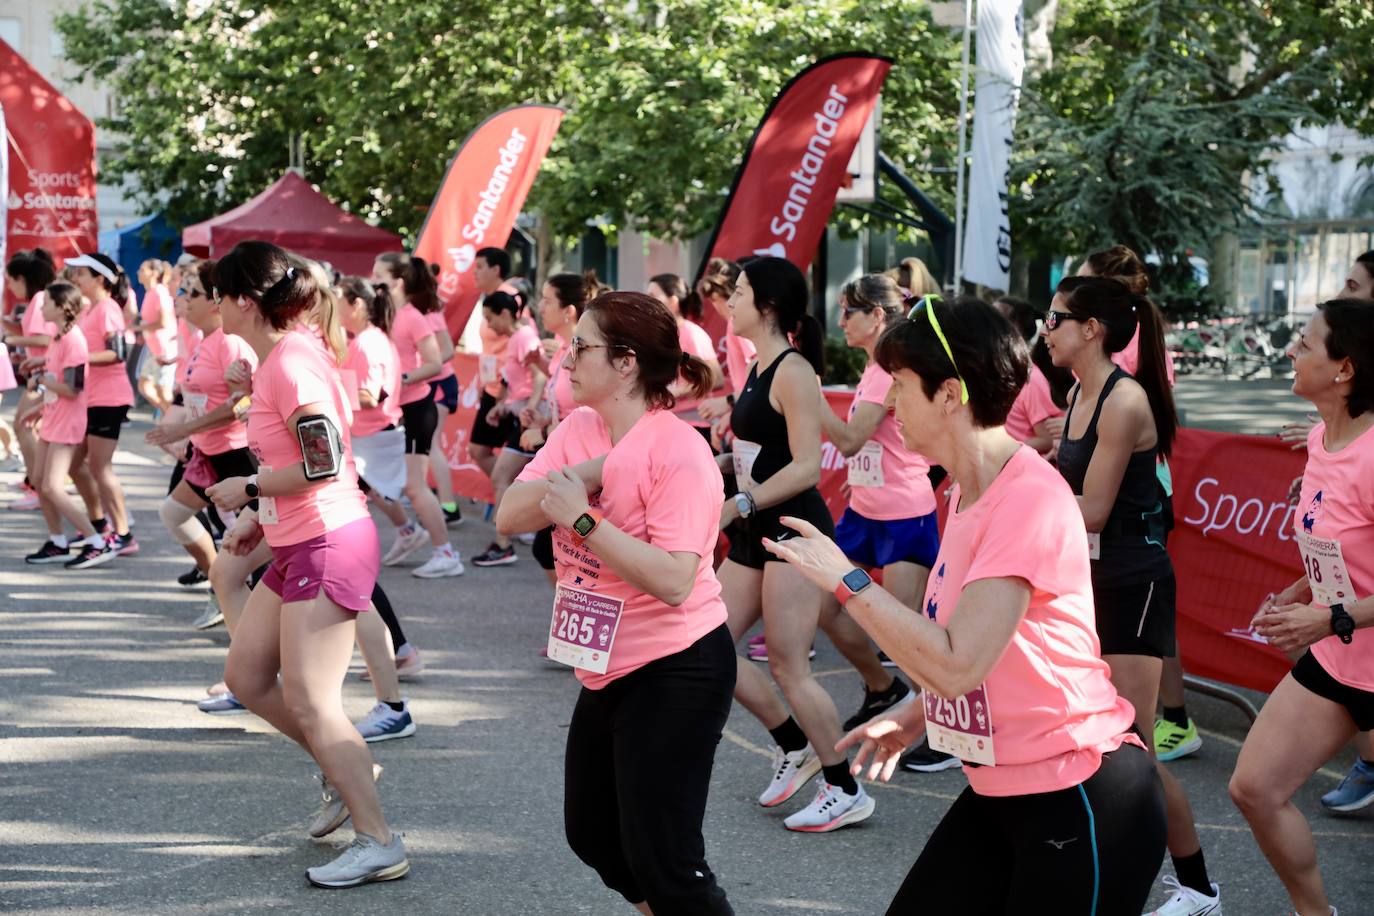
{"x": 390, "y": 873}
{"x": 852, "y": 816}
{"x": 226, "y": 712}
{"x": 94, "y": 561}
{"x": 127, "y": 551}
{"x": 1183, "y": 750}
{"x": 388, "y": 736}
{"x": 48, "y": 561}
{"x": 446, "y": 574}
{"x": 213, "y": 622}
{"x": 401, "y": 557}
{"x": 804, "y": 776}
{"x": 949, "y": 764}
{"x": 1351, "y": 806}
{"x": 504, "y": 561}
{"x": 196, "y": 586}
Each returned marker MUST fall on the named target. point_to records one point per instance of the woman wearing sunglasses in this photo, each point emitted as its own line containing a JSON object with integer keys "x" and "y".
{"x": 1062, "y": 803}
{"x": 1116, "y": 428}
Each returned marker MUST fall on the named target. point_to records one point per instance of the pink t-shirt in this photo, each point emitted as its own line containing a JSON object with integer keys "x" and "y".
{"x": 376, "y": 368}
{"x": 517, "y": 373}
{"x": 297, "y": 372}
{"x": 560, "y": 384}
{"x": 203, "y": 389}
{"x": 903, "y": 488}
{"x": 661, "y": 485}
{"x": 1337, "y": 504}
{"x": 693, "y": 339}
{"x": 739, "y": 353}
{"x": 437, "y": 323}
{"x": 1053, "y": 709}
{"x": 157, "y": 302}
{"x": 33, "y": 323}
{"x": 1034, "y": 404}
{"x": 1128, "y": 358}
{"x": 188, "y": 338}
{"x": 64, "y": 419}
{"x": 407, "y": 330}
{"x": 107, "y": 385}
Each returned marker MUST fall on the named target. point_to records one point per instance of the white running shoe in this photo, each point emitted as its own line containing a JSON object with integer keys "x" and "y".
{"x": 1188, "y": 902}
{"x": 333, "y": 812}
{"x": 210, "y": 617}
{"x": 831, "y": 809}
{"x": 790, "y": 773}
{"x": 382, "y": 723}
{"x": 405, "y": 545}
{"x": 440, "y": 565}
{"x": 364, "y": 860}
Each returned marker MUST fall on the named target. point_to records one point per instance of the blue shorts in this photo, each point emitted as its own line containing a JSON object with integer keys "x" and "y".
{"x": 876, "y": 544}
{"x": 445, "y": 393}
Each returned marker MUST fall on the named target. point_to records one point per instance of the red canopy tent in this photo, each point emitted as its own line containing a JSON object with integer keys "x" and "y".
{"x": 295, "y": 216}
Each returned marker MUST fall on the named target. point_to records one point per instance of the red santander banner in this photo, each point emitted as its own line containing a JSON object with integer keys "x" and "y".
{"x": 482, "y": 192}
{"x": 51, "y": 193}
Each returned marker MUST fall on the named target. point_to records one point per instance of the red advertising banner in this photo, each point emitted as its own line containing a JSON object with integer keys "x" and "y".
{"x": 468, "y": 479}
{"x": 785, "y": 188}
{"x": 51, "y": 191}
{"x": 482, "y": 192}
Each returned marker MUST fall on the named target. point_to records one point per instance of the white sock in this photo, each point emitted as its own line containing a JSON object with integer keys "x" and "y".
{"x": 95, "y": 540}
{"x": 444, "y": 551}
{"x": 59, "y": 540}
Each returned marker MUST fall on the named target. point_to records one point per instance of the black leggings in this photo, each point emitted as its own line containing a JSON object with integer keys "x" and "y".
{"x": 656, "y": 727}
{"x": 383, "y": 605}
{"x": 1094, "y": 849}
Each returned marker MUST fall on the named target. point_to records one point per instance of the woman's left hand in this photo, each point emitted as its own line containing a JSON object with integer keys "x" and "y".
{"x": 566, "y": 497}
{"x": 1293, "y": 627}
{"x": 812, "y": 554}
{"x": 229, "y": 494}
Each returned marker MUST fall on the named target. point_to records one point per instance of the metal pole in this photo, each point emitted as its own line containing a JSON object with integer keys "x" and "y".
{"x": 963, "y": 150}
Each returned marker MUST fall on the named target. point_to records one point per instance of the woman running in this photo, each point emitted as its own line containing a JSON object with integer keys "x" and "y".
{"x": 1037, "y": 417}
{"x": 1326, "y": 613}
{"x": 777, "y": 459}
{"x": 672, "y": 292}
{"x": 414, "y": 295}
{"x": 301, "y": 618}
{"x": 62, "y": 387}
{"x": 631, "y": 491}
{"x": 27, "y": 274}
{"x": 1115, "y": 429}
{"x": 1062, "y": 804}
{"x": 158, "y": 325}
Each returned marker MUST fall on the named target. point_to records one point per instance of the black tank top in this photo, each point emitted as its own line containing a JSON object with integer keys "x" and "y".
{"x": 1133, "y": 538}
{"x": 755, "y": 420}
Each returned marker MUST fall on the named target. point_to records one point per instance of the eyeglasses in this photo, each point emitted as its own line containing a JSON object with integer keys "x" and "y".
{"x": 1054, "y": 319}
{"x": 927, "y": 303}
{"x": 578, "y": 345}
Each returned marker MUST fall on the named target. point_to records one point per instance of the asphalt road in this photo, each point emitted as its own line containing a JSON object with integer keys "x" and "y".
{"x": 118, "y": 796}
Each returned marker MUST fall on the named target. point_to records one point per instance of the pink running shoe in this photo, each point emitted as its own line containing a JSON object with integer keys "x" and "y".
{"x": 26, "y": 503}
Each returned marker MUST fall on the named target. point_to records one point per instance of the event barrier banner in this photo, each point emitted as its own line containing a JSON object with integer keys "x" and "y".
{"x": 482, "y": 192}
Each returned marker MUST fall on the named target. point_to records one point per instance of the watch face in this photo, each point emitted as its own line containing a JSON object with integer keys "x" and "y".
{"x": 856, "y": 579}
{"x": 584, "y": 525}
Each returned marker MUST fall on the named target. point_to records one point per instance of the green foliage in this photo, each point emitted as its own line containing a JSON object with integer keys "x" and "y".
{"x": 843, "y": 364}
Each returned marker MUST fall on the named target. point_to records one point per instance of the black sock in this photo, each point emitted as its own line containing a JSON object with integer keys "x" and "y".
{"x": 1177, "y": 715}
{"x": 1192, "y": 872}
{"x": 838, "y": 775}
{"x": 396, "y": 707}
{"x": 789, "y": 735}
{"x": 99, "y": 523}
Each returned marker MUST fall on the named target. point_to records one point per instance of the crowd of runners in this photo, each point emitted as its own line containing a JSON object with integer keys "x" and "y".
{"x": 668, "y": 486}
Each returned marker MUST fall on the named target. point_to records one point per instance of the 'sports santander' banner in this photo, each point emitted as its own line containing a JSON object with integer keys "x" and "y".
{"x": 51, "y": 192}
{"x": 482, "y": 192}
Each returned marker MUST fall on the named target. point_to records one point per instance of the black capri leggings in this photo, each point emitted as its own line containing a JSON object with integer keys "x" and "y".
{"x": 655, "y": 727}
{"x": 1093, "y": 849}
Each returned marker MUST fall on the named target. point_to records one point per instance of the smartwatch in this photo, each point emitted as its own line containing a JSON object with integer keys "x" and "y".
{"x": 251, "y": 488}
{"x": 854, "y": 581}
{"x": 744, "y": 505}
{"x": 1342, "y": 624}
{"x": 584, "y": 525}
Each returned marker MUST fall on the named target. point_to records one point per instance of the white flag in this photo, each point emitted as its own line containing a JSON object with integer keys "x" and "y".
{"x": 987, "y": 234}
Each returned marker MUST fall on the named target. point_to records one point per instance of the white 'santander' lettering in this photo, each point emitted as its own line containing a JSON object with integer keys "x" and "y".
{"x": 490, "y": 198}
{"x": 804, "y": 176}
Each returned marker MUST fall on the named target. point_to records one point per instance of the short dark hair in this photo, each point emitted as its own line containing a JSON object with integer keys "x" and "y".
{"x": 501, "y": 301}
{"x": 989, "y": 354}
{"x": 495, "y": 257}
{"x": 571, "y": 289}
{"x": 417, "y": 280}
{"x": 780, "y": 290}
{"x": 34, "y": 267}
{"x": 66, "y": 297}
{"x": 266, "y": 274}
{"x": 639, "y": 323}
{"x": 1351, "y": 336}
{"x": 380, "y": 308}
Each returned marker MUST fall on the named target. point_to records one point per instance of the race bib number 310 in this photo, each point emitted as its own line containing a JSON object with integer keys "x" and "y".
{"x": 583, "y": 628}
{"x": 962, "y": 726}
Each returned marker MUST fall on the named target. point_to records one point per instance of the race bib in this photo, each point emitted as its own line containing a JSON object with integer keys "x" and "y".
{"x": 1326, "y": 573}
{"x": 583, "y": 628}
{"x": 349, "y": 378}
{"x": 486, "y": 370}
{"x": 962, "y": 726}
{"x": 196, "y": 404}
{"x": 866, "y": 468}
{"x": 745, "y": 454}
{"x": 267, "y": 505}
{"x": 1094, "y": 545}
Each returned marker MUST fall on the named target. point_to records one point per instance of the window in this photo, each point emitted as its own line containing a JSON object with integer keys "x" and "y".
{"x": 12, "y": 31}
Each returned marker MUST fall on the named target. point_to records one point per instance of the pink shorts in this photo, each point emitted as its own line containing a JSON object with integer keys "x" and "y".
{"x": 344, "y": 562}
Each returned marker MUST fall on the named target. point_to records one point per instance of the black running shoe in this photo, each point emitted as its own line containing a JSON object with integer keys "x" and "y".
{"x": 886, "y": 662}
{"x": 193, "y": 579}
{"x": 453, "y": 519}
{"x": 91, "y": 555}
{"x": 875, "y": 704}
{"x": 49, "y": 553}
{"x": 925, "y": 759}
{"x": 495, "y": 556}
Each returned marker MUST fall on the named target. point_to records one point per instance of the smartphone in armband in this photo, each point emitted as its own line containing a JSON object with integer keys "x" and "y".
{"x": 381, "y": 395}
{"x": 117, "y": 345}
{"x": 74, "y": 377}
{"x": 321, "y": 447}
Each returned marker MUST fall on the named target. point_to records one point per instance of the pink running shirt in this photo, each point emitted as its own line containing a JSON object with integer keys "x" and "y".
{"x": 107, "y": 385}
{"x": 693, "y": 339}
{"x": 436, "y": 322}
{"x": 905, "y": 491}
{"x": 298, "y": 372}
{"x": 1034, "y": 404}
{"x": 188, "y": 338}
{"x": 559, "y": 392}
{"x": 739, "y": 353}
{"x": 33, "y": 323}
{"x": 1053, "y": 708}
{"x": 518, "y": 376}
{"x": 1337, "y": 504}
{"x": 407, "y": 330}
{"x": 373, "y": 360}
{"x": 661, "y": 485}
{"x": 64, "y": 419}
{"x": 203, "y": 389}
{"x": 157, "y": 302}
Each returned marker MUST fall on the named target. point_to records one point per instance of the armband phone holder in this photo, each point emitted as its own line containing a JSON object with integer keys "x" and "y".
{"x": 74, "y": 377}
{"x": 117, "y": 345}
{"x": 321, "y": 447}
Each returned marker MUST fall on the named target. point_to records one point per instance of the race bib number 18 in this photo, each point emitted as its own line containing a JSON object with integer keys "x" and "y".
{"x": 1324, "y": 564}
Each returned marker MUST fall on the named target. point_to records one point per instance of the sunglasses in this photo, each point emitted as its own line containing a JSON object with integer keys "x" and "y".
{"x": 1054, "y": 319}
{"x": 849, "y": 312}
{"x": 927, "y": 304}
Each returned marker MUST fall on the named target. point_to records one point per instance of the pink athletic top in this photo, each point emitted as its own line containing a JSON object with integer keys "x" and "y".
{"x": 739, "y": 353}
{"x": 297, "y": 372}
{"x": 493, "y": 346}
{"x": 1337, "y": 504}
{"x": 560, "y": 384}
{"x": 188, "y": 338}
{"x": 376, "y": 367}
{"x": 107, "y": 385}
{"x": 1034, "y": 404}
{"x": 33, "y": 323}
{"x": 518, "y": 376}
{"x": 693, "y": 339}
{"x": 436, "y": 322}
{"x": 157, "y": 302}
{"x": 1128, "y": 358}
{"x": 64, "y": 419}
{"x": 904, "y": 491}
{"x": 203, "y": 389}
{"x": 661, "y": 485}
{"x": 407, "y": 330}
{"x": 1050, "y": 699}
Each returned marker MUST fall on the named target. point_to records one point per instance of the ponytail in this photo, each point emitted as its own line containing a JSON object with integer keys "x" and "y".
{"x": 267, "y": 275}
{"x": 809, "y": 339}
{"x": 780, "y": 290}
{"x": 326, "y": 309}
{"x": 696, "y": 373}
{"x": 380, "y": 309}
{"x": 417, "y": 280}
{"x": 1153, "y": 375}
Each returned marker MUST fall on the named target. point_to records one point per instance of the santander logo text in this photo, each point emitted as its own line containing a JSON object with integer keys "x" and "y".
{"x": 508, "y": 157}
{"x": 804, "y": 177}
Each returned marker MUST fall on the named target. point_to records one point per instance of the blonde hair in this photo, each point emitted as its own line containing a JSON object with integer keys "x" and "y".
{"x": 913, "y": 276}
{"x": 326, "y": 316}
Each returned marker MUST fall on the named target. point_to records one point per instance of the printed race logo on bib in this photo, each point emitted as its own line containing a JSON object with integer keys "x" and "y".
{"x": 744, "y": 454}
{"x": 962, "y": 726}
{"x": 196, "y": 404}
{"x": 583, "y": 628}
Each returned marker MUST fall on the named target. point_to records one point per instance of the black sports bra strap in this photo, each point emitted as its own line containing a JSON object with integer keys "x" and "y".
{"x": 1102, "y": 399}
